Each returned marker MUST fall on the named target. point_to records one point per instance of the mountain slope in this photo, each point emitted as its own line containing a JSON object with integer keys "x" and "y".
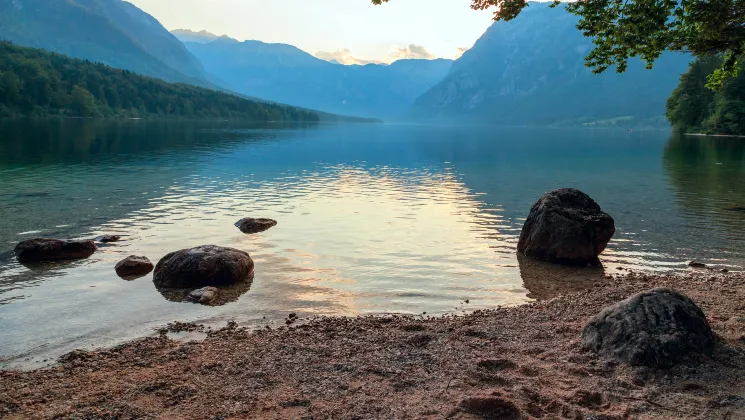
{"x": 531, "y": 71}
{"x": 284, "y": 73}
{"x": 112, "y": 32}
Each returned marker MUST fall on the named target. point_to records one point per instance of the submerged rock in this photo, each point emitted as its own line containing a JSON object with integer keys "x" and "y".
{"x": 567, "y": 227}
{"x": 202, "y": 266}
{"x": 108, "y": 238}
{"x": 133, "y": 266}
{"x": 43, "y": 249}
{"x": 205, "y": 295}
{"x": 696, "y": 264}
{"x": 658, "y": 328}
{"x": 251, "y": 225}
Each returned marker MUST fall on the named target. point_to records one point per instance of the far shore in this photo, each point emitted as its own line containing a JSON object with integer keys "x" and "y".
{"x": 522, "y": 362}
{"x": 714, "y": 135}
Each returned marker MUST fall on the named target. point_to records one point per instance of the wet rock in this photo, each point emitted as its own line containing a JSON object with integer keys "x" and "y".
{"x": 657, "y": 328}
{"x": 251, "y": 225}
{"x": 108, "y": 238}
{"x": 490, "y": 407}
{"x": 566, "y": 226}
{"x": 133, "y": 266}
{"x": 696, "y": 264}
{"x": 43, "y": 249}
{"x": 202, "y": 266}
{"x": 205, "y": 295}
{"x": 75, "y": 355}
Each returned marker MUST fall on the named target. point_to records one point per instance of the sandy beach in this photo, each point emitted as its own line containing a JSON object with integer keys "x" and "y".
{"x": 521, "y": 362}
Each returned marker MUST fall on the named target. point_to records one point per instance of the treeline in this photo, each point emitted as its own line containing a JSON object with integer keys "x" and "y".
{"x": 695, "y": 108}
{"x": 34, "y": 82}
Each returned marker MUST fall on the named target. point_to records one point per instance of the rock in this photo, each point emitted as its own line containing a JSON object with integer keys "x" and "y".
{"x": 657, "y": 328}
{"x": 251, "y": 225}
{"x": 202, "y": 266}
{"x": 567, "y": 227}
{"x": 205, "y": 295}
{"x": 108, "y": 238}
{"x": 42, "y": 249}
{"x": 133, "y": 266}
{"x": 696, "y": 264}
{"x": 490, "y": 407}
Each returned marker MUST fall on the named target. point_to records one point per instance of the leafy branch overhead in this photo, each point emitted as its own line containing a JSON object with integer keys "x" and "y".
{"x": 622, "y": 29}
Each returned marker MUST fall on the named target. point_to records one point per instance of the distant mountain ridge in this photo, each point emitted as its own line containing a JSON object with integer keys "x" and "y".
{"x": 201, "y": 37}
{"x": 112, "y": 32}
{"x": 530, "y": 71}
{"x": 287, "y": 74}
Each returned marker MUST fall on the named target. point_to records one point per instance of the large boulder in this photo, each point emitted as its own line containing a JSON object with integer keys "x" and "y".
{"x": 251, "y": 225}
{"x": 567, "y": 227}
{"x": 203, "y": 266}
{"x": 658, "y": 328}
{"x": 133, "y": 267}
{"x": 44, "y": 249}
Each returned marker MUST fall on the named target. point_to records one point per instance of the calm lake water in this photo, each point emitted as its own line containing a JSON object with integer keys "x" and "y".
{"x": 372, "y": 218}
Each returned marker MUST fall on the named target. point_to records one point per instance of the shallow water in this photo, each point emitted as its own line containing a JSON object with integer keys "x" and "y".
{"x": 372, "y": 218}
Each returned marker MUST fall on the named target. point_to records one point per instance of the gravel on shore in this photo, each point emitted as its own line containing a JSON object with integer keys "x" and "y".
{"x": 509, "y": 363}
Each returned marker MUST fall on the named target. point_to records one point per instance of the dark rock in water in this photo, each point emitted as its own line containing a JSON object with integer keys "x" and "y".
{"x": 696, "y": 264}
{"x": 490, "y": 407}
{"x": 251, "y": 225}
{"x": 738, "y": 209}
{"x": 205, "y": 295}
{"x": 133, "y": 267}
{"x": 108, "y": 238}
{"x": 42, "y": 249}
{"x": 202, "y": 266}
{"x": 567, "y": 227}
{"x": 658, "y": 328}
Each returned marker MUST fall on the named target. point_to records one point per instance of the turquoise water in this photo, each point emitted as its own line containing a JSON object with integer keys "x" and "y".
{"x": 372, "y": 218}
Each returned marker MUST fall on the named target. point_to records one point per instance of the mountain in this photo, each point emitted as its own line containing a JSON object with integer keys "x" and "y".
{"x": 112, "y": 32}
{"x": 284, "y": 73}
{"x": 201, "y": 37}
{"x": 39, "y": 83}
{"x": 530, "y": 71}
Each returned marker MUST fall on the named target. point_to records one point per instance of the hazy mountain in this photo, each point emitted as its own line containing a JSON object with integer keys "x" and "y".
{"x": 202, "y": 37}
{"x": 112, "y": 32}
{"x": 531, "y": 71}
{"x": 284, "y": 73}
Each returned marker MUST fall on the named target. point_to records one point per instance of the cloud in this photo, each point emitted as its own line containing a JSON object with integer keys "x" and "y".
{"x": 343, "y": 56}
{"x": 412, "y": 51}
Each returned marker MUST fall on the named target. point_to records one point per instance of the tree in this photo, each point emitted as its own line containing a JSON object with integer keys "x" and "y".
{"x": 83, "y": 102}
{"x": 622, "y": 29}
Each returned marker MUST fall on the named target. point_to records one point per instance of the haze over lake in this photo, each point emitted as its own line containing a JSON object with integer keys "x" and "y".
{"x": 372, "y": 218}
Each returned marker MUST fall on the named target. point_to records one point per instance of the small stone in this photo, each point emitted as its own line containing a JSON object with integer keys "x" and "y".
{"x": 108, "y": 238}
{"x": 250, "y": 225}
{"x": 205, "y": 295}
{"x": 133, "y": 266}
{"x": 696, "y": 264}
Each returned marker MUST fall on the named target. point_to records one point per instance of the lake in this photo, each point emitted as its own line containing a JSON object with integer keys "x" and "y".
{"x": 372, "y": 218}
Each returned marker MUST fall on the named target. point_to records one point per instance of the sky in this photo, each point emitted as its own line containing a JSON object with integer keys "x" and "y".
{"x": 351, "y": 31}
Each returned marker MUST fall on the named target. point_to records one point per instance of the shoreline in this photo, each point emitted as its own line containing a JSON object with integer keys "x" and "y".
{"x": 714, "y": 135}
{"x": 523, "y": 360}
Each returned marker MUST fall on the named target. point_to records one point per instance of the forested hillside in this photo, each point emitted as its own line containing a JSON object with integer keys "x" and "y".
{"x": 38, "y": 83}
{"x": 695, "y": 108}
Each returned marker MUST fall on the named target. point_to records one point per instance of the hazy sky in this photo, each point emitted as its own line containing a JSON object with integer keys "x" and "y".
{"x": 334, "y": 28}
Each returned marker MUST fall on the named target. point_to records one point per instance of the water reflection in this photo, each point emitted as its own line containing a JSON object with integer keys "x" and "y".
{"x": 371, "y": 219}
{"x": 545, "y": 280}
{"x": 225, "y": 294}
